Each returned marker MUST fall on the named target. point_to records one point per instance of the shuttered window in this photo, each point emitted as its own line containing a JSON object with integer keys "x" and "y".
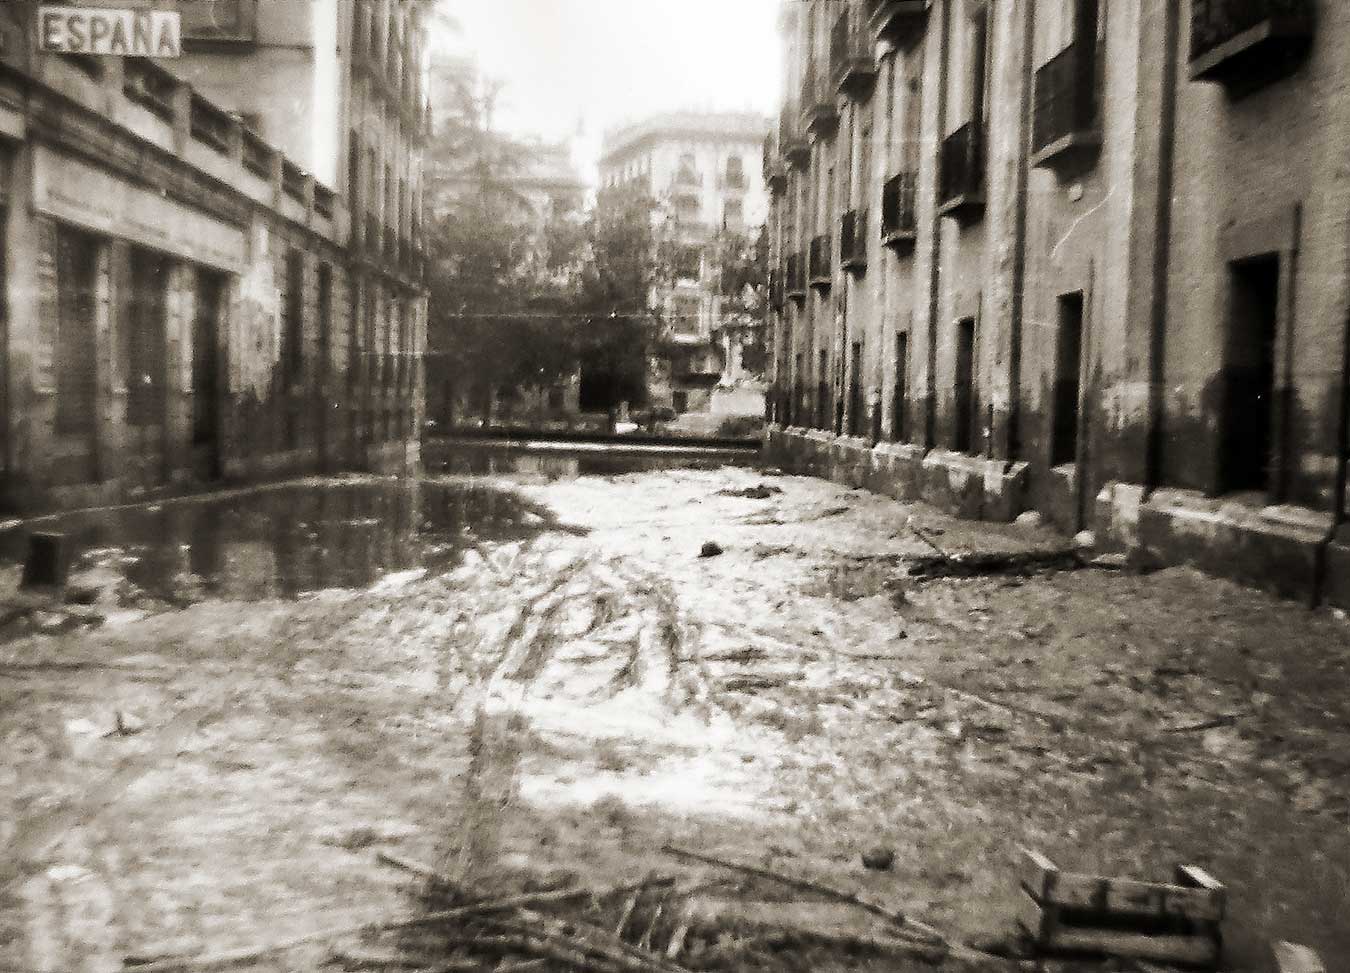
{"x": 76, "y": 373}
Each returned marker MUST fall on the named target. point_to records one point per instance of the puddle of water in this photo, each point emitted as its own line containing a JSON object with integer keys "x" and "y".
{"x": 285, "y": 540}
{"x": 554, "y": 463}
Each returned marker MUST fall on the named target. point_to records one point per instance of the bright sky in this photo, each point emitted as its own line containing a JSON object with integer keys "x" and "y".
{"x": 605, "y": 62}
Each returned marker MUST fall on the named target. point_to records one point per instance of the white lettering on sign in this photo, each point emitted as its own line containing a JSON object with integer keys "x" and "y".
{"x": 95, "y": 30}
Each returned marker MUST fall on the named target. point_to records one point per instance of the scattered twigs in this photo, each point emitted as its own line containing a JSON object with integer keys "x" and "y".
{"x": 1227, "y": 719}
{"x": 921, "y": 535}
{"x": 975, "y": 564}
{"x": 897, "y": 918}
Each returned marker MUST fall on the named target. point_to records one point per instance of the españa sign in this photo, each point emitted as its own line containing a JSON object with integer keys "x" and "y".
{"x": 98, "y": 30}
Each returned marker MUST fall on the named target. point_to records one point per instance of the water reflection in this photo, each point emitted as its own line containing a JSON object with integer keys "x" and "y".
{"x": 285, "y": 540}
{"x": 497, "y": 459}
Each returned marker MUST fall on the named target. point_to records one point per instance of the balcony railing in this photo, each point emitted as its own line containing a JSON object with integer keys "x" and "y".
{"x": 790, "y": 141}
{"x": 899, "y": 21}
{"x": 794, "y": 274}
{"x": 853, "y": 241}
{"x": 1065, "y": 126}
{"x": 961, "y": 173}
{"x": 776, "y": 290}
{"x": 819, "y": 116}
{"x": 775, "y": 172}
{"x": 821, "y": 271}
{"x": 852, "y": 68}
{"x": 293, "y": 181}
{"x": 1248, "y": 42}
{"x": 898, "y": 223}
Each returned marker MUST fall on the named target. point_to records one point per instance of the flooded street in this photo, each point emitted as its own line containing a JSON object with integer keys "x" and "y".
{"x": 532, "y": 680}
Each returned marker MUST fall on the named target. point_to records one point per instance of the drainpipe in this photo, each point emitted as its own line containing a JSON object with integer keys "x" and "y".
{"x": 935, "y": 270}
{"x": 1162, "y": 244}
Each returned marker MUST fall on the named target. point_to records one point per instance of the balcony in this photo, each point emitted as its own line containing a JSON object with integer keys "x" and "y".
{"x": 211, "y": 125}
{"x": 1066, "y": 129}
{"x": 898, "y": 224}
{"x": 820, "y": 118}
{"x": 820, "y": 274}
{"x": 853, "y": 71}
{"x": 794, "y": 274}
{"x": 776, "y": 290}
{"x": 853, "y": 241}
{"x": 901, "y": 22}
{"x": 790, "y": 141}
{"x": 149, "y": 85}
{"x": 775, "y": 172}
{"x": 961, "y": 174}
{"x": 1246, "y": 43}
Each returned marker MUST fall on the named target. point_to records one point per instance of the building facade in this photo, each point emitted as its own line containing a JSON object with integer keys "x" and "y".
{"x": 184, "y": 300}
{"x": 1077, "y": 257}
{"x": 701, "y": 168}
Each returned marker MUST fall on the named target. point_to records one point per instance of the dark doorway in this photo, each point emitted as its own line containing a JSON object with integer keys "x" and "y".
{"x": 799, "y": 391}
{"x": 855, "y": 395}
{"x": 1249, "y": 375}
{"x": 206, "y": 388}
{"x": 323, "y": 365}
{"x": 1068, "y": 369}
{"x": 823, "y": 392}
{"x": 76, "y": 281}
{"x": 963, "y": 411}
{"x": 899, "y": 395}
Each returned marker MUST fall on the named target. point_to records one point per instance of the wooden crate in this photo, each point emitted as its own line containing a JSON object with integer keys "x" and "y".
{"x": 1067, "y": 912}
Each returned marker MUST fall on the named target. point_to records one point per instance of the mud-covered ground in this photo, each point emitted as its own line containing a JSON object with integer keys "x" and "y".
{"x": 216, "y": 766}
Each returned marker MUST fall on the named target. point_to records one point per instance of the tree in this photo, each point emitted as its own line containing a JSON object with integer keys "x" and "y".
{"x": 618, "y": 331}
{"x": 742, "y": 283}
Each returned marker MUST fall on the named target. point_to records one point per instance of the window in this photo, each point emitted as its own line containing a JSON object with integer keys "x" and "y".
{"x": 732, "y": 214}
{"x": 232, "y": 21}
{"x": 685, "y": 310}
{"x": 76, "y": 285}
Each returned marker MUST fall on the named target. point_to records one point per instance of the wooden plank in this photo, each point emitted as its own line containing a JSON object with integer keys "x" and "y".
{"x": 1197, "y": 877}
{"x": 1037, "y": 922}
{"x": 1126, "y": 897}
{"x": 1194, "y": 950}
{"x": 1037, "y": 874}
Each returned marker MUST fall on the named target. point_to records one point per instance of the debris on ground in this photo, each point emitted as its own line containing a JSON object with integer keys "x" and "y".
{"x": 1297, "y": 958}
{"x": 761, "y": 491}
{"x": 710, "y": 549}
{"x": 1067, "y": 912}
{"x": 879, "y": 859}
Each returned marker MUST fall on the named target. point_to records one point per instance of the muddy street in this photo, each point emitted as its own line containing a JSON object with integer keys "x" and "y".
{"x": 530, "y": 682}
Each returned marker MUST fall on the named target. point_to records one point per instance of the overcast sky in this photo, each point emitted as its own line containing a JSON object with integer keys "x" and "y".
{"x": 608, "y": 61}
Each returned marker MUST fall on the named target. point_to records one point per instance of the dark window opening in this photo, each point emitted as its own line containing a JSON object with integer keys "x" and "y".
{"x": 1068, "y": 369}
{"x": 963, "y": 413}
{"x": 823, "y": 392}
{"x": 899, "y": 406}
{"x": 1249, "y": 375}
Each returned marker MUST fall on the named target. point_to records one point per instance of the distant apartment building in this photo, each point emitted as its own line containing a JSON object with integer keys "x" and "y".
{"x": 212, "y": 264}
{"x": 1076, "y": 257}
{"x": 703, "y": 170}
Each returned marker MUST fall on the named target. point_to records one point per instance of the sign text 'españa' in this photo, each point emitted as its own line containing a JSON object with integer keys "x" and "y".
{"x": 97, "y": 30}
